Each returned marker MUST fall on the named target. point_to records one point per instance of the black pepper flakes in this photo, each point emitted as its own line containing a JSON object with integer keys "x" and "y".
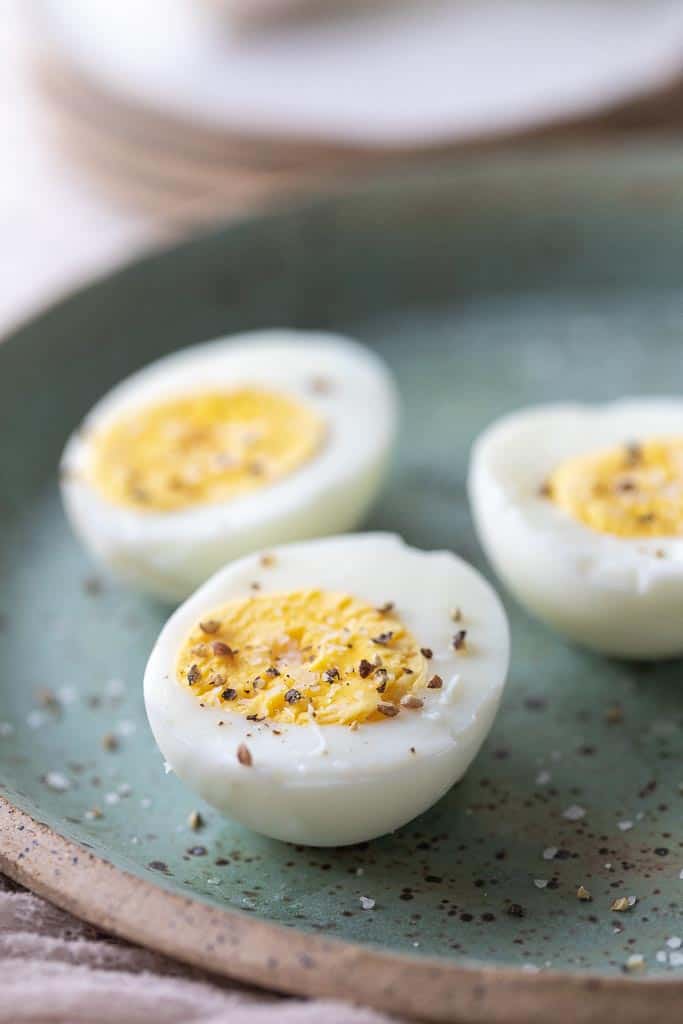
{"x": 435, "y": 683}
{"x": 365, "y": 668}
{"x": 427, "y": 652}
{"x": 244, "y": 755}
{"x": 516, "y": 910}
{"x": 321, "y": 385}
{"x": 193, "y": 674}
{"x": 210, "y": 626}
{"x": 292, "y": 696}
{"x": 383, "y": 639}
{"x": 221, "y": 649}
{"x": 459, "y": 640}
{"x": 634, "y": 453}
{"x": 387, "y": 709}
{"x": 229, "y": 694}
{"x": 331, "y": 674}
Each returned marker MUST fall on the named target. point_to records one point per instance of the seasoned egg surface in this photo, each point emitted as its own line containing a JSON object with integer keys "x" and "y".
{"x": 328, "y": 692}
{"x": 226, "y": 447}
{"x": 580, "y": 509}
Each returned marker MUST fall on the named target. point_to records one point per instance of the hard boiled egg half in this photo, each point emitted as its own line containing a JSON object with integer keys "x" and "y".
{"x": 226, "y": 447}
{"x": 580, "y": 510}
{"x": 327, "y": 692}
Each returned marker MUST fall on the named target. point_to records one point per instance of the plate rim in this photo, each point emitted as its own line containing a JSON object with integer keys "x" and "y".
{"x": 229, "y": 943}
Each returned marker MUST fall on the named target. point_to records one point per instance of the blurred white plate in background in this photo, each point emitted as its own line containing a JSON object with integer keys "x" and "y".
{"x": 409, "y": 74}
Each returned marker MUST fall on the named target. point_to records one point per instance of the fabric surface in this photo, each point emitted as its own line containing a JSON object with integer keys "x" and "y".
{"x": 56, "y": 969}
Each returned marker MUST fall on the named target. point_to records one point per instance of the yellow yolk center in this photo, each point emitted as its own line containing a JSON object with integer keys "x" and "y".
{"x": 203, "y": 448}
{"x": 302, "y": 656}
{"x": 635, "y": 490}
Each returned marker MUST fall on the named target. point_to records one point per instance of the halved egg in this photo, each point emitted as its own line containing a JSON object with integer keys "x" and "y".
{"x": 328, "y": 692}
{"x": 226, "y": 447}
{"x": 580, "y": 510}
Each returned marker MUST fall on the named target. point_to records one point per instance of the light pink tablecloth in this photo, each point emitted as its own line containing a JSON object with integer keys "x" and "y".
{"x": 55, "y": 969}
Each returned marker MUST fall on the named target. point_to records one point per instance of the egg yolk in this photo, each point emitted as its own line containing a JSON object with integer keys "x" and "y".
{"x": 634, "y": 490}
{"x": 203, "y": 448}
{"x": 302, "y": 656}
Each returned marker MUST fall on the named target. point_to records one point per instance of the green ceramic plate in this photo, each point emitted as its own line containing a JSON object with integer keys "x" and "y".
{"x": 484, "y": 286}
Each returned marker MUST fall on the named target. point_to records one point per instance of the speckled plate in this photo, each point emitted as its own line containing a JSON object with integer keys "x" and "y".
{"x": 485, "y": 286}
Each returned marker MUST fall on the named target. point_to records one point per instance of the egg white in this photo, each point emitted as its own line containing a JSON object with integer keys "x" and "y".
{"x": 620, "y": 596}
{"x": 329, "y": 785}
{"x": 169, "y": 554}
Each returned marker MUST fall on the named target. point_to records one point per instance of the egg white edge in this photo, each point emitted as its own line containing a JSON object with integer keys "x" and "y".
{"x": 357, "y": 564}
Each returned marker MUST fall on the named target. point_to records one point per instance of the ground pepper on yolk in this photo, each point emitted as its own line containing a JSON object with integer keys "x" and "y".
{"x": 633, "y": 490}
{"x": 300, "y": 656}
{"x": 203, "y": 448}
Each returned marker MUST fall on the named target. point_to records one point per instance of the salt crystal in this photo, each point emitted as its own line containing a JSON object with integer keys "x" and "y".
{"x": 574, "y": 813}
{"x": 367, "y": 903}
{"x": 112, "y": 798}
{"x": 624, "y": 826}
{"x": 57, "y": 781}
{"x": 674, "y": 942}
{"x": 676, "y": 959}
{"x": 543, "y": 778}
{"x": 550, "y": 852}
{"x": 540, "y": 883}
